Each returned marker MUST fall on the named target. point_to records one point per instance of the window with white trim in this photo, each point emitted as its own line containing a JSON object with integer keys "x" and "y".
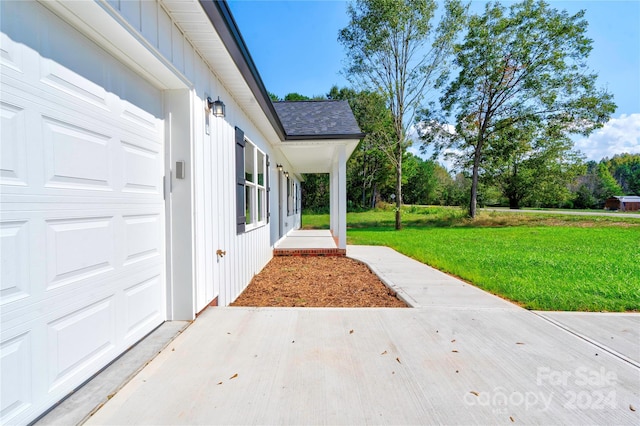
{"x": 252, "y": 183}
{"x": 289, "y": 196}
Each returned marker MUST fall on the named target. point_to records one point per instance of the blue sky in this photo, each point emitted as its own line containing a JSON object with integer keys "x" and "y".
{"x": 294, "y": 45}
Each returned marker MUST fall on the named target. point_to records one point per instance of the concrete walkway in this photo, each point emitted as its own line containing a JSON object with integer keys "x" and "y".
{"x": 461, "y": 356}
{"x": 308, "y": 239}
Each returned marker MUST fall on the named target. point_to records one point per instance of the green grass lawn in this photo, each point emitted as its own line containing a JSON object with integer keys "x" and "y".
{"x": 545, "y": 261}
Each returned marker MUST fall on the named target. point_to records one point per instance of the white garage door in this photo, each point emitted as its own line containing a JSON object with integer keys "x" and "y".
{"x": 82, "y": 222}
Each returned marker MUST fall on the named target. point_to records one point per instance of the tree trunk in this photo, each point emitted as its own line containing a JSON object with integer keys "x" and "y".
{"x": 399, "y": 188}
{"x": 514, "y": 203}
{"x": 474, "y": 180}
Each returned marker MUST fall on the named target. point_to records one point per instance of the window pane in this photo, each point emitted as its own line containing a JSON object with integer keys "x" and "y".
{"x": 260, "y": 205}
{"x": 248, "y": 190}
{"x": 260, "y": 168}
{"x": 249, "y": 155}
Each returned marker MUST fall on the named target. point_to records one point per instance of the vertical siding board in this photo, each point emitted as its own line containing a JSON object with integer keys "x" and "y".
{"x": 130, "y": 10}
{"x": 165, "y": 31}
{"x": 177, "y": 48}
{"x": 215, "y": 173}
{"x": 149, "y": 22}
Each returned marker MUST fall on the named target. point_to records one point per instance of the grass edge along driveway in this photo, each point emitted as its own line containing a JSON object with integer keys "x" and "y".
{"x": 541, "y": 262}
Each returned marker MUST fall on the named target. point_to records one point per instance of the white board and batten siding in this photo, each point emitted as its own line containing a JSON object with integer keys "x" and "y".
{"x": 213, "y": 164}
{"x": 84, "y": 154}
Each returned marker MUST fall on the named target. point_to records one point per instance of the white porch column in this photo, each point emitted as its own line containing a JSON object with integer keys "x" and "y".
{"x": 338, "y": 196}
{"x": 342, "y": 197}
{"x": 332, "y": 201}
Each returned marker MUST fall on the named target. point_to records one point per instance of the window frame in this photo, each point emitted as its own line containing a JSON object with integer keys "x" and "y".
{"x": 255, "y": 206}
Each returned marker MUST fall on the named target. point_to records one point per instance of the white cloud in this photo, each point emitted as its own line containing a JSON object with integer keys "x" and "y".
{"x": 618, "y": 135}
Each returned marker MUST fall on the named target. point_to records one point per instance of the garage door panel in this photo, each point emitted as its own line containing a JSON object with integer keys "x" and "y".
{"x": 66, "y": 81}
{"x": 17, "y": 394}
{"x": 14, "y": 275}
{"x": 139, "y": 117}
{"x": 76, "y": 157}
{"x": 10, "y": 54}
{"x": 79, "y": 248}
{"x": 82, "y": 230}
{"x": 13, "y": 157}
{"x": 141, "y": 162}
{"x": 141, "y": 306}
{"x": 143, "y": 233}
{"x": 79, "y": 339}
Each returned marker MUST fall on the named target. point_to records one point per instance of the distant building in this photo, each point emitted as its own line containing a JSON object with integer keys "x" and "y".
{"x": 625, "y": 203}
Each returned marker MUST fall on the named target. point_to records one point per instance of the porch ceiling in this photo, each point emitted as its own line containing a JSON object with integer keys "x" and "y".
{"x": 315, "y": 156}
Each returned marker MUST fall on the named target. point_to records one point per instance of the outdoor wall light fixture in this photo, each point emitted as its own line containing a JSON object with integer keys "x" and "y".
{"x": 217, "y": 107}
{"x": 279, "y": 166}
{"x": 286, "y": 174}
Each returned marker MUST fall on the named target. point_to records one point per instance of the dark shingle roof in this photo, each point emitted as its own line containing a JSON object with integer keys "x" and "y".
{"x": 318, "y": 120}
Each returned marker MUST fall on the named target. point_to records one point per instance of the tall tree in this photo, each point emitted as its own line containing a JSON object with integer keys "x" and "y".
{"x": 625, "y": 168}
{"x": 525, "y": 64}
{"x": 394, "y": 49}
{"x": 294, "y": 96}
{"x": 368, "y": 168}
{"x": 529, "y": 164}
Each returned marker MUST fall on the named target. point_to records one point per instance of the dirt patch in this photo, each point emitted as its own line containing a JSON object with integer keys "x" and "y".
{"x": 317, "y": 282}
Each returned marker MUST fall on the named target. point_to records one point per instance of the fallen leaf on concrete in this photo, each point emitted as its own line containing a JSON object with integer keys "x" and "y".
{"x": 519, "y": 343}
{"x": 384, "y": 353}
{"x": 512, "y": 419}
{"x": 350, "y": 331}
{"x": 454, "y": 351}
{"x": 398, "y": 359}
{"x": 632, "y": 408}
{"x": 475, "y": 393}
{"x": 219, "y": 383}
{"x": 453, "y": 340}
{"x": 234, "y": 376}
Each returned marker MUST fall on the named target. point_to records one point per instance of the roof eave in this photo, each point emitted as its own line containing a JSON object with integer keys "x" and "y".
{"x": 354, "y": 136}
{"x": 222, "y": 20}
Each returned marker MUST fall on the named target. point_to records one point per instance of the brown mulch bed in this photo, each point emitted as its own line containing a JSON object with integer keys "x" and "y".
{"x": 317, "y": 282}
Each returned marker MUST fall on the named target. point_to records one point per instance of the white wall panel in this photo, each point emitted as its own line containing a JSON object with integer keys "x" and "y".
{"x": 130, "y": 9}
{"x": 165, "y": 31}
{"x": 149, "y": 21}
{"x": 14, "y": 275}
{"x": 177, "y": 47}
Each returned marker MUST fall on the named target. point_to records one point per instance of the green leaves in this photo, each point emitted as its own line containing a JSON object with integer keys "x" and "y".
{"x": 521, "y": 66}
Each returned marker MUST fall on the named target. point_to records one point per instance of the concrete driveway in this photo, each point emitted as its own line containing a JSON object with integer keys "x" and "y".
{"x": 460, "y": 356}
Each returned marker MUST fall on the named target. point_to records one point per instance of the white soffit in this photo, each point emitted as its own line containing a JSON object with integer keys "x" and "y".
{"x": 193, "y": 21}
{"x": 315, "y": 156}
